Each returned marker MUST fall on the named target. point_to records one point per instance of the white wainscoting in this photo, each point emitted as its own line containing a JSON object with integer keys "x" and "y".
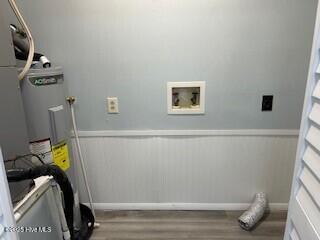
{"x": 188, "y": 169}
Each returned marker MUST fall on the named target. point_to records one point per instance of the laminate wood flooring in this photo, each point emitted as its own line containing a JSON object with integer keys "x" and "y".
{"x": 178, "y": 225}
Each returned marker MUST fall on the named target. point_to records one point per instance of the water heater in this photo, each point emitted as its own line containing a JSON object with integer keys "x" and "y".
{"x": 48, "y": 125}
{"x": 44, "y": 99}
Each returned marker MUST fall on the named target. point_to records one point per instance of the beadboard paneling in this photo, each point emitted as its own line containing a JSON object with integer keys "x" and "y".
{"x": 188, "y": 169}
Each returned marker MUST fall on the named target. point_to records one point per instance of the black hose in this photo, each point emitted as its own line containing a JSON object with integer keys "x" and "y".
{"x": 87, "y": 226}
{"x": 24, "y": 55}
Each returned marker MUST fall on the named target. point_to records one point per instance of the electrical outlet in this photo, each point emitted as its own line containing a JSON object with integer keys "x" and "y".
{"x": 113, "y": 106}
{"x": 267, "y": 102}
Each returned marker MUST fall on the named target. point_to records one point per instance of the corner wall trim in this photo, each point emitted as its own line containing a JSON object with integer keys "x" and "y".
{"x": 183, "y": 206}
{"x": 151, "y": 133}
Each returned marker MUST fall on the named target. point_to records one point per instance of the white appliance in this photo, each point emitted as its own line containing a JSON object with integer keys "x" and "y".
{"x": 37, "y": 214}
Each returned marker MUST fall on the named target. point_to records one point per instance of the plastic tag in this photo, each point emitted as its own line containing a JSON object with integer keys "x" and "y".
{"x": 60, "y": 155}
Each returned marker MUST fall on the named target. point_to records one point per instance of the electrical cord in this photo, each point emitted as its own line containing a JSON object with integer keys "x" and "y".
{"x": 23, "y": 158}
{"x": 32, "y": 155}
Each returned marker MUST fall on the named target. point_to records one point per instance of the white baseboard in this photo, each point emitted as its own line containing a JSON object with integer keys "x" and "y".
{"x": 183, "y": 206}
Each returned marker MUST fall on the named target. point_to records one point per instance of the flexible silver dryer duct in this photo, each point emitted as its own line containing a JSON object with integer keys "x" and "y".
{"x": 256, "y": 211}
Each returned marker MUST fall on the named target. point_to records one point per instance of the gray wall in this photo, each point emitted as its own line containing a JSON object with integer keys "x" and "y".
{"x": 7, "y": 58}
{"x": 131, "y": 48}
{"x": 13, "y": 132}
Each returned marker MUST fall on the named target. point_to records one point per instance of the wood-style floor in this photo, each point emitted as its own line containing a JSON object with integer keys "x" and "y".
{"x": 176, "y": 225}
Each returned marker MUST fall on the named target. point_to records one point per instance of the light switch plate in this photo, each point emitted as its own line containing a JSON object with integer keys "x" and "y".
{"x": 112, "y": 105}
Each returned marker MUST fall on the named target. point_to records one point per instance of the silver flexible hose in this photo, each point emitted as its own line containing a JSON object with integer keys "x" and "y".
{"x": 75, "y": 131}
{"x": 256, "y": 211}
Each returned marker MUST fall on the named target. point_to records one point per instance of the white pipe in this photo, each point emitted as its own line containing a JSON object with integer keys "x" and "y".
{"x": 29, "y": 37}
{"x": 75, "y": 131}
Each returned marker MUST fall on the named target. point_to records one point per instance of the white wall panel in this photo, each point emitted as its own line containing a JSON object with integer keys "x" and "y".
{"x": 189, "y": 169}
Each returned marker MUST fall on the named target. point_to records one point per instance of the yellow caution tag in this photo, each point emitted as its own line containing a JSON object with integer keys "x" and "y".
{"x": 60, "y": 155}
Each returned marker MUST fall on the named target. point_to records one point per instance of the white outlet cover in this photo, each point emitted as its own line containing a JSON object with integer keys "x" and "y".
{"x": 112, "y": 105}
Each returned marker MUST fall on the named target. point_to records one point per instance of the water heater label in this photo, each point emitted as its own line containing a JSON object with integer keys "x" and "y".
{"x": 43, "y": 149}
{"x": 60, "y": 155}
{"x": 46, "y": 80}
